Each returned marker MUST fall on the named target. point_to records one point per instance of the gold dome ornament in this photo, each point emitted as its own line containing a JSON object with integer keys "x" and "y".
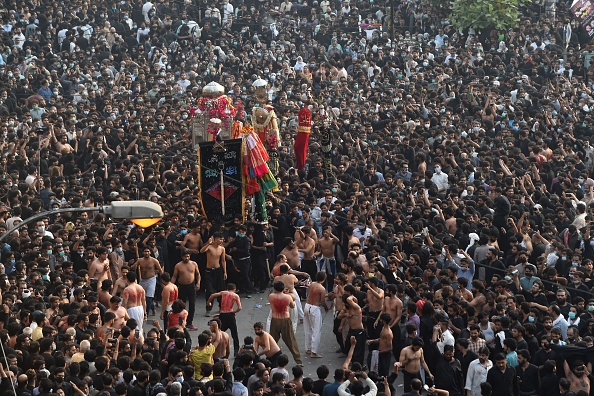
{"x": 213, "y": 90}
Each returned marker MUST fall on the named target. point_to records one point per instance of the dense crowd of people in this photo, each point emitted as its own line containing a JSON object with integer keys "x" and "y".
{"x": 448, "y": 228}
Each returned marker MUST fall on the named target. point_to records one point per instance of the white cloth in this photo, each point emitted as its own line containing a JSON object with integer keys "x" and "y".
{"x": 477, "y": 374}
{"x": 149, "y": 285}
{"x": 312, "y": 327}
{"x": 138, "y": 314}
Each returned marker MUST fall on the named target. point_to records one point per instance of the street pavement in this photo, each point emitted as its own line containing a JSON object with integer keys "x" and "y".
{"x": 256, "y": 309}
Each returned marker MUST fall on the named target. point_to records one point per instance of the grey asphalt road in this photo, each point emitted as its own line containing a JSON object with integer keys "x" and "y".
{"x": 254, "y": 310}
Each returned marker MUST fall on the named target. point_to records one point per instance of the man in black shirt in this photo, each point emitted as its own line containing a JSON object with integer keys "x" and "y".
{"x": 502, "y": 378}
{"x": 528, "y": 375}
{"x": 449, "y": 373}
{"x": 239, "y": 249}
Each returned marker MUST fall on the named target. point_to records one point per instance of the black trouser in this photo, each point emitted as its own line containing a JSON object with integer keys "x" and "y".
{"x": 338, "y": 334}
{"x": 228, "y": 322}
{"x": 359, "y": 352}
{"x": 396, "y": 341}
{"x": 188, "y": 292}
{"x": 310, "y": 267}
{"x": 245, "y": 270}
{"x": 385, "y": 358}
{"x": 166, "y": 321}
{"x": 259, "y": 270}
{"x": 408, "y": 377}
{"x": 214, "y": 282}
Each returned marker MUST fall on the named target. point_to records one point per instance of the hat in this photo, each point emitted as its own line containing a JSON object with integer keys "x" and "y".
{"x": 537, "y": 206}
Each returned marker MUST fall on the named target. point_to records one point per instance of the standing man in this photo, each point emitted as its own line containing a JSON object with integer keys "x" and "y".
{"x": 134, "y": 300}
{"x": 216, "y": 268}
{"x": 313, "y": 315}
{"x": 477, "y": 372}
{"x": 220, "y": 338}
{"x": 503, "y": 378}
{"x": 280, "y": 302}
{"x": 354, "y": 316}
{"x": 230, "y": 305}
{"x": 393, "y": 307}
{"x": 411, "y": 360}
{"x": 385, "y": 345}
{"x": 327, "y": 261}
{"x": 149, "y": 267}
{"x": 306, "y": 247}
{"x": 187, "y": 278}
{"x": 448, "y": 374}
{"x": 99, "y": 268}
{"x": 240, "y": 252}
{"x": 121, "y": 283}
{"x": 169, "y": 294}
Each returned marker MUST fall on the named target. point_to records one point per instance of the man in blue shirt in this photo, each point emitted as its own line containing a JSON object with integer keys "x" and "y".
{"x": 239, "y": 389}
{"x": 332, "y": 389}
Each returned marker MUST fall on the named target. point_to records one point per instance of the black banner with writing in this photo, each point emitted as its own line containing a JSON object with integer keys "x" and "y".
{"x": 220, "y": 179}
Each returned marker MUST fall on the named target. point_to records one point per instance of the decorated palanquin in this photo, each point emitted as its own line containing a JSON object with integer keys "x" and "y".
{"x": 212, "y": 116}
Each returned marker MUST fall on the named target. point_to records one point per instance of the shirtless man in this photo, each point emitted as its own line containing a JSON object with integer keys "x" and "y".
{"x": 326, "y": 261}
{"x": 229, "y": 301}
{"x": 479, "y": 300}
{"x": 385, "y": 344}
{"x": 121, "y": 315}
{"x": 339, "y": 283}
{"x": 104, "y": 294}
{"x": 578, "y": 376}
{"x": 62, "y": 145}
{"x": 287, "y": 276}
{"x": 220, "y": 338}
{"x": 186, "y": 276}
{"x": 375, "y": 304}
{"x": 291, "y": 252}
{"x": 312, "y": 324}
{"x": 121, "y": 283}
{"x": 393, "y": 307}
{"x": 193, "y": 241}
{"x": 354, "y": 316}
{"x": 411, "y": 360}
{"x": 216, "y": 268}
{"x": 263, "y": 340}
{"x": 281, "y": 300}
{"x": 149, "y": 268}
{"x": 306, "y": 247}
{"x": 99, "y": 267}
{"x": 169, "y": 294}
{"x": 134, "y": 300}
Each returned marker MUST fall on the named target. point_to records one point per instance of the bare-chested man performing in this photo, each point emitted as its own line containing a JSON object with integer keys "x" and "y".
{"x": 411, "y": 360}
{"x": 149, "y": 268}
{"x": 281, "y": 300}
{"x": 169, "y": 294}
{"x": 291, "y": 252}
{"x": 326, "y": 261}
{"x": 393, "y": 307}
{"x": 312, "y": 324}
{"x": 216, "y": 268}
{"x": 187, "y": 278}
{"x": 134, "y": 300}
{"x": 354, "y": 317}
{"x": 307, "y": 247}
{"x": 220, "y": 338}
{"x": 121, "y": 283}
{"x": 384, "y": 344}
{"x": 263, "y": 340}
{"x": 121, "y": 314}
{"x": 99, "y": 268}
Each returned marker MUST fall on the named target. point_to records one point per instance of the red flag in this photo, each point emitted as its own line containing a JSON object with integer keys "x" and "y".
{"x": 302, "y": 139}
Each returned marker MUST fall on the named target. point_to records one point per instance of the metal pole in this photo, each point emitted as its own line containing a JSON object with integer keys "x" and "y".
{"x": 392, "y": 20}
{"x": 221, "y": 167}
{"x": 46, "y": 213}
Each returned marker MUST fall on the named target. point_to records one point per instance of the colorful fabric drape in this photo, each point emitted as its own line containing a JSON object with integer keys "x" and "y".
{"x": 302, "y": 139}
